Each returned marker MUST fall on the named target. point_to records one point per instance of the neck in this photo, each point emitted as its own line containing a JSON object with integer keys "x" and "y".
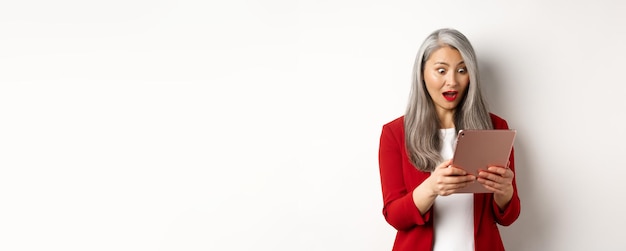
{"x": 446, "y": 118}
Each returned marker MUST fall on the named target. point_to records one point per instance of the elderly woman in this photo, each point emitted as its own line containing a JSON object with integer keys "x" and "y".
{"x": 419, "y": 184}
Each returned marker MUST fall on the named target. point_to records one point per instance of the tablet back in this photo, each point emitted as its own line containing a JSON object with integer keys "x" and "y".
{"x": 477, "y": 149}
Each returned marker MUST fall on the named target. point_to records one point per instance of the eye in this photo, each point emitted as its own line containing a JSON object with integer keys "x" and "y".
{"x": 441, "y": 71}
{"x": 462, "y": 70}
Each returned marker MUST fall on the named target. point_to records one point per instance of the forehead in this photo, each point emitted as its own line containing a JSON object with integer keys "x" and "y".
{"x": 445, "y": 54}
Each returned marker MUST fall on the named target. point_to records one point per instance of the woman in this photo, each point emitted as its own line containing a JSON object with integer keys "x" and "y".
{"x": 418, "y": 181}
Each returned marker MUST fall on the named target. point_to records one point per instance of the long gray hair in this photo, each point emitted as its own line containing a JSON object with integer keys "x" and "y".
{"x": 421, "y": 121}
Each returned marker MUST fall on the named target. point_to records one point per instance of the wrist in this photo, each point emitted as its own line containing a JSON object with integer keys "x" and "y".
{"x": 503, "y": 199}
{"x": 427, "y": 188}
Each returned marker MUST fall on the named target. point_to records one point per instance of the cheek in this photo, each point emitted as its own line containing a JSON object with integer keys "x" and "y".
{"x": 464, "y": 82}
{"x": 432, "y": 81}
{"x": 431, "y": 86}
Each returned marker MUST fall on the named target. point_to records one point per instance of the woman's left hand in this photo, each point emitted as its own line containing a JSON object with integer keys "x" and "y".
{"x": 499, "y": 180}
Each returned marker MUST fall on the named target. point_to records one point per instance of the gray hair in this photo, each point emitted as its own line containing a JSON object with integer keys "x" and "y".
{"x": 421, "y": 122}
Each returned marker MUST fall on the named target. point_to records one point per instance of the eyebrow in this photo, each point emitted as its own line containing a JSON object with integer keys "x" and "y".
{"x": 444, "y": 63}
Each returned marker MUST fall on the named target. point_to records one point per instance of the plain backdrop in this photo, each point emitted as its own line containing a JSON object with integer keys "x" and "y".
{"x": 254, "y": 125}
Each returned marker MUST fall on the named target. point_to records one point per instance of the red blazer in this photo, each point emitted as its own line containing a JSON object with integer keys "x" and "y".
{"x": 415, "y": 231}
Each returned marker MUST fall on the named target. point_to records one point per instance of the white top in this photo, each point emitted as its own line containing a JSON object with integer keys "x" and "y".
{"x": 453, "y": 215}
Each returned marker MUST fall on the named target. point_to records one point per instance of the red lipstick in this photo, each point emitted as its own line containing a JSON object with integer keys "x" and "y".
{"x": 450, "y": 95}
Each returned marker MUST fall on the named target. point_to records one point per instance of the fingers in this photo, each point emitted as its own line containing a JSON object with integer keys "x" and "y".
{"x": 447, "y": 188}
{"x": 496, "y": 179}
{"x": 452, "y": 175}
{"x": 495, "y": 187}
{"x": 447, "y": 179}
{"x": 444, "y": 164}
{"x": 451, "y": 179}
{"x": 504, "y": 172}
{"x": 445, "y": 169}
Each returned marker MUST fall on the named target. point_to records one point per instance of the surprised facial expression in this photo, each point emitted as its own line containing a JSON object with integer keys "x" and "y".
{"x": 446, "y": 78}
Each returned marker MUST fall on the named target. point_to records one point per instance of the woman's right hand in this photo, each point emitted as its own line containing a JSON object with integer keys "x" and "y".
{"x": 447, "y": 179}
{"x": 444, "y": 180}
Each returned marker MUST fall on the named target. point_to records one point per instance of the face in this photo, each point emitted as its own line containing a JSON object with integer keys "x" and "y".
{"x": 446, "y": 78}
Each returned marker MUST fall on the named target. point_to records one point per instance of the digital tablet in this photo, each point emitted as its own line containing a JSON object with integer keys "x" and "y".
{"x": 478, "y": 149}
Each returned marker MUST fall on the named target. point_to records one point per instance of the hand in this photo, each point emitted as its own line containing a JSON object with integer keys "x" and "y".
{"x": 447, "y": 179}
{"x": 499, "y": 180}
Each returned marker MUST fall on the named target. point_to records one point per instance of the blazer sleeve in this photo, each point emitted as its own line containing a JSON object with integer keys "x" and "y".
{"x": 512, "y": 211}
{"x": 399, "y": 209}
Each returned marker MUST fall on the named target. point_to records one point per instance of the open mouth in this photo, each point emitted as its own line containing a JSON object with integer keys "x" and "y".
{"x": 450, "y": 95}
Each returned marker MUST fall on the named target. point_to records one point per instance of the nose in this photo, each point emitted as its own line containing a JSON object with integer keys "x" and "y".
{"x": 452, "y": 78}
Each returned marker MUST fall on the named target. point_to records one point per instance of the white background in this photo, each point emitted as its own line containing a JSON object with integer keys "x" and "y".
{"x": 254, "y": 125}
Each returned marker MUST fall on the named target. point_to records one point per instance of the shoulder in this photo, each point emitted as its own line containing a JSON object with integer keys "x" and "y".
{"x": 498, "y": 122}
{"x": 392, "y": 135}
{"x": 394, "y": 128}
{"x": 396, "y": 123}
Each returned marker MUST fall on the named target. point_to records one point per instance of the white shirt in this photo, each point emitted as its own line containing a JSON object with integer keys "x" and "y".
{"x": 453, "y": 215}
